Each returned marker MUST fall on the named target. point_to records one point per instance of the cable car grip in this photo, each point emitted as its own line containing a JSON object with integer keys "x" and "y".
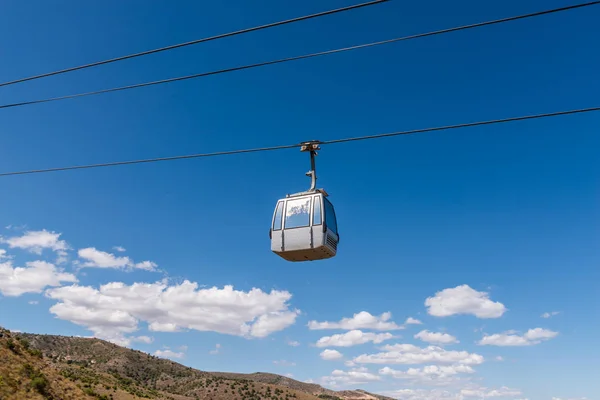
{"x": 312, "y": 147}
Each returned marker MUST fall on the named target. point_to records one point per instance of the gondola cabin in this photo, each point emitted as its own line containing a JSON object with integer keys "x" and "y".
{"x": 304, "y": 227}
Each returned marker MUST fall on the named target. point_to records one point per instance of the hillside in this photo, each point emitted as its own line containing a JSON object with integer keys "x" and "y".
{"x": 278, "y": 380}
{"x": 25, "y": 375}
{"x": 92, "y": 368}
{"x": 312, "y": 388}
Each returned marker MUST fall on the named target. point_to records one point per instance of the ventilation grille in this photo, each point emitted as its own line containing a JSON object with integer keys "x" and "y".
{"x": 331, "y": 242}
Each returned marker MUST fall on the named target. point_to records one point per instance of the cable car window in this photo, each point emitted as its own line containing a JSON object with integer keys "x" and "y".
{"x": 297, "y": 213}
{"x": 317, "y": 211}
{"x": 278, "y": 216}
{"x": 330, "y": 216}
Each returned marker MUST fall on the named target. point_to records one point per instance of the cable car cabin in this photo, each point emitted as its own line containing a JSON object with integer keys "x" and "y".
{"x": 304, "y": 227}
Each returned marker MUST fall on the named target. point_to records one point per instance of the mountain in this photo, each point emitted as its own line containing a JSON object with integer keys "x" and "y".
{"x": 83, "y": 368}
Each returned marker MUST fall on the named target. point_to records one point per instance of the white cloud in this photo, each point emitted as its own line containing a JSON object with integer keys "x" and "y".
{"x": 293, "y": 343}
{"x": 330, "y": 355}
{"x": 33, "y": 278}
{"x": 216, "y": 349}
{"x": 168, "y": 354}
{"x": 531, "y": 337}
{"x": 431, "y": 374}
{"x": 411, "y": 354}
{"x": 146, "y": 265}
{"x": 117, "y": 308}
{"x": 163, "y": 327}
{"x": 142, "y": 339}
{"x": 273, "y": 322}
{"x": 550, "y": 314}
{"x": 483, "y": 392}
{"x": 412, "y": 321}
{"x": 33, "y": 302}
{"x": 3, "y": 254}
{"x": 101, "y": 259}
{"x": 361, "y": 320}
{"x": 499, "y": 358}
{"x": 463, "y": 300}
{"x": 436, "y": 337}
{"x": 107, "y": 324}
{"x": 120, "y": 249}
{"x": 37, "y": 241}
{"x": 355, "y": 376}
{"x": 475, "y": 391}
{"x": 352, "y": 338}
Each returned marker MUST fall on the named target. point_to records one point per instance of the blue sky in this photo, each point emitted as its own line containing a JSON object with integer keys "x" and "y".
{"x": 500, "y": 222}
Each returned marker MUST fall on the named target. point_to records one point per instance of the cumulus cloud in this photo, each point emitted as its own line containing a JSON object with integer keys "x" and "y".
{"x": 163, "y": 327}
{"x": 293, "y": 343}
{"x": 463, "y": 300}
{"x": 33, "y": 278}
{"x": 37, "y": 241}
{"x": 352, "y": 338}
{"x": 329, "y": 355}
{"x": 273, "y": 322}
{"x": 361, "y": 320}
{"x": 412, "y": 321}
{"x": 436, "y": 337}
{"x": 411, "y": 354}
{"x": 355, "y": 376}
{"x": 107, "y": 324}
{"x": 100, "y": 259}
{"x": 550, "y": 314}
{"x": 168, "y": 354}
{"x": 510, "y": 338}
{"x": 120, "y": 249}
{"x": 3, "y": 254}
{"x": 142, "y": 339}
{"x": 431, "y": 374}
{"x": 116, "y": 308}
{"x": 145, "y": 265}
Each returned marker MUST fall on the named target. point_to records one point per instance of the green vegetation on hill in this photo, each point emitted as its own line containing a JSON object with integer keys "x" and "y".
{"x": 71, "y": 368}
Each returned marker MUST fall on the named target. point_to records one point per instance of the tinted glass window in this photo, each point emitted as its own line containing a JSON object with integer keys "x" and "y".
{"x": 330, "y": 216}
{"x": 317, "y": 211}
{"x": 278, "y": 216}
{"x": 297, "y": 213}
